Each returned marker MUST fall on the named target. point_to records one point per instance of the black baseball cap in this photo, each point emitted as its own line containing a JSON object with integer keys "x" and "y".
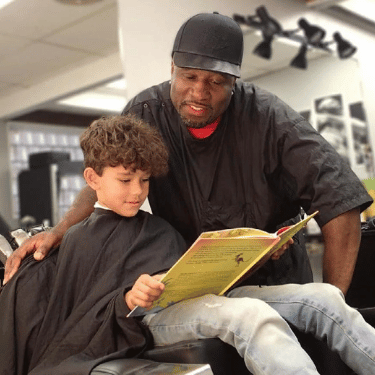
{"x": 209, "y": 41}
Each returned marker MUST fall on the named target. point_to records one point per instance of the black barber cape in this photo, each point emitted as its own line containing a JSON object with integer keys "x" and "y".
{"x": 260, "y": 166}
{"x": 66, "y": 314}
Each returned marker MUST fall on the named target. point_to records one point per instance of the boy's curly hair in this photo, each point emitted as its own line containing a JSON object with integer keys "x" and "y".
{"x": 124, "y": 140}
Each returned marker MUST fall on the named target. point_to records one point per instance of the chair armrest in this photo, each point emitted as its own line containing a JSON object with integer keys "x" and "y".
{"x": 222, "y": 357}
{"x": 368, "y": 314}
{"x": 135, "y": 366}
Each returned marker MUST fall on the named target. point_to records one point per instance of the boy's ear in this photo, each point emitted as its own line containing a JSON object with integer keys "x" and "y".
{"x": 91, "y": 177}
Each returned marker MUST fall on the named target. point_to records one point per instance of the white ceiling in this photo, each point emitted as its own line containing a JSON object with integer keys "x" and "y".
{"x": 40, "y": 39}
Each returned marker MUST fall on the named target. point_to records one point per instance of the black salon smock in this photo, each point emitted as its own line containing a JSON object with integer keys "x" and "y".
{"x": 261, "y": 165}
{"x": 66, "y": 314}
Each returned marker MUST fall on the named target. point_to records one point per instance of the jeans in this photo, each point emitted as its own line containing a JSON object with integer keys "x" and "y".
{"x": 252, "y": 320}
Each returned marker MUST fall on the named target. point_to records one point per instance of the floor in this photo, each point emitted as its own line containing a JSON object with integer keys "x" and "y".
{"x": 315, "y": 252}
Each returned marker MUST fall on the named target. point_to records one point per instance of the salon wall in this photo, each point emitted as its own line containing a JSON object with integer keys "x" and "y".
{"x": 5, "y": 201}
{"x": 339, "y": 84}
{"x": 147, "y": 30}
{"x": 324, "y": 76}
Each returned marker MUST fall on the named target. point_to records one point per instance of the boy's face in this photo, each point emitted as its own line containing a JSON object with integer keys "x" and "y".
{"x": 121, "y": 189}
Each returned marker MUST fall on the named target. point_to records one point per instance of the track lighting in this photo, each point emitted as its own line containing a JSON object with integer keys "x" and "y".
{"x": 263, "y": 49}
{"x": 314, "y": 34}
{"x": 269, "y": 26}
{"x": 312, "y": 37}
{"x": 344, "y": 48}
{"x": 300, "y": 60}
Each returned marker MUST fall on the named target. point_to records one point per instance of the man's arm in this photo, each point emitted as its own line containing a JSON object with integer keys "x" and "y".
{"x": 342, "y": 236}
{"x": 43, "y": 242}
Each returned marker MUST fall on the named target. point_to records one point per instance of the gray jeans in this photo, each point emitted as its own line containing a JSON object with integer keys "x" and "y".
{"x": 252, "y": 319}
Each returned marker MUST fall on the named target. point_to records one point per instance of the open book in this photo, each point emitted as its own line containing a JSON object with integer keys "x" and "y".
{"x": 217, "y": 260}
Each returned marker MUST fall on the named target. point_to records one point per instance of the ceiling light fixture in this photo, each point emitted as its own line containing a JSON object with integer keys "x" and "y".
{"x": 300, "y": 60}
{"x": 263, "y": 49}
{"x": 269, "y": 25}
{"x": 314, "y": 34}
{"x": 78, "y": 2}
{"x": 95, "y": 100}
{"x": 344, "y": 48}
{"x": 4, "y": 3}
{"x": 312, "y": 38}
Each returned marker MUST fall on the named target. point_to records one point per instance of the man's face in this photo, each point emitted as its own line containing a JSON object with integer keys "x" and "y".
{"x": 122, "y": 189}
{"x": 200, "y": 96}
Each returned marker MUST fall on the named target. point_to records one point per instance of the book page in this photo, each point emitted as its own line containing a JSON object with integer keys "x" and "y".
{"x": 211, "y": 265}
{"x": 217, "y": 260}
{"x": 236, "y": 232}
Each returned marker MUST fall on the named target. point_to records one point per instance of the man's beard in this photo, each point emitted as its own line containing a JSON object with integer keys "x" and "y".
{"x": 190, "y": 123}
{"x": 194, "y": 124}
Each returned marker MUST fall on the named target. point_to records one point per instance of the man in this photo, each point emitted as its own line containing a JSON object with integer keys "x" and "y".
{"x": 238, "y": 157}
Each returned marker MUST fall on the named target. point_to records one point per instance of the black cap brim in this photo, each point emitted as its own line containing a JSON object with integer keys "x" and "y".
{"x": 189, "y": 60}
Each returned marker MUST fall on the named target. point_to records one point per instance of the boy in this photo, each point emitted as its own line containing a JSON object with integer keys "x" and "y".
{"x": 69, "y": 312}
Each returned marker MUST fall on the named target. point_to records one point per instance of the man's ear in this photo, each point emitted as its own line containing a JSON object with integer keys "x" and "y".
{"x": 91, "y": 177}
{"x": 172, "y": 67}
{"x": 234, "y": 82}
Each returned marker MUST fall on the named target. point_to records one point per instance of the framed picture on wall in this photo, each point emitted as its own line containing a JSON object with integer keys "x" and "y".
{"x": 332, "y": 105}
{"x": 331, "y": 124}
{"x": 345, "y": 127}
{"x": 361, "y": 139}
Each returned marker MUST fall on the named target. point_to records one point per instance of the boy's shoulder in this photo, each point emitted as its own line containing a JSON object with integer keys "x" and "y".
{"x": 102, "y": 219}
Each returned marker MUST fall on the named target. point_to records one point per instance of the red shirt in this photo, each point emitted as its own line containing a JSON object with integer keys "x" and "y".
{"x": 205, "y": 131}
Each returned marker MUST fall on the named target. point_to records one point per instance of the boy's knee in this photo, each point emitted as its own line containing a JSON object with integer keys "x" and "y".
{"x": 328, "y": 292}
{"x": 322, "y": 294}
{"x": 251, "y": 309}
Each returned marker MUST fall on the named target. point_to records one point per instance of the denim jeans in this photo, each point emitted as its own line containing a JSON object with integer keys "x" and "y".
{"x": 252, "y": 320}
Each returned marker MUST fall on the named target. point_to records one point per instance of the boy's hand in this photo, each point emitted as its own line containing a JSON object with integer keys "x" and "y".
{"x": 145, "y": 291}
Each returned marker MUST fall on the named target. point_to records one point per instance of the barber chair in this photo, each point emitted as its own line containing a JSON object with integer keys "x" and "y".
{"x": 361, "y": 293}
{"x": 224, "y": 359}
{"x": 203, "y": 357}
{"x": 135, "y": 366}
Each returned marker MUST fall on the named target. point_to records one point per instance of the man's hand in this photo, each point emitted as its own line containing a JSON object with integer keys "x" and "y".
{"x": 43, "y": 242}
{"x": 276, "y": 255}
{"x": 40, "y": 245}
{"x": 145, "y": 291}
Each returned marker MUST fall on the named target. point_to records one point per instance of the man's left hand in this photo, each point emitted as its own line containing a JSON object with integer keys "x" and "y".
{"x": 276, "y": 255}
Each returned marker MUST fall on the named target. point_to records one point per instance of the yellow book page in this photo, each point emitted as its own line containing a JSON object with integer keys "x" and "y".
{"x": 212, "y": 265}
{"x": 217, "y": 260}
{"x": 236, "y": 232}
